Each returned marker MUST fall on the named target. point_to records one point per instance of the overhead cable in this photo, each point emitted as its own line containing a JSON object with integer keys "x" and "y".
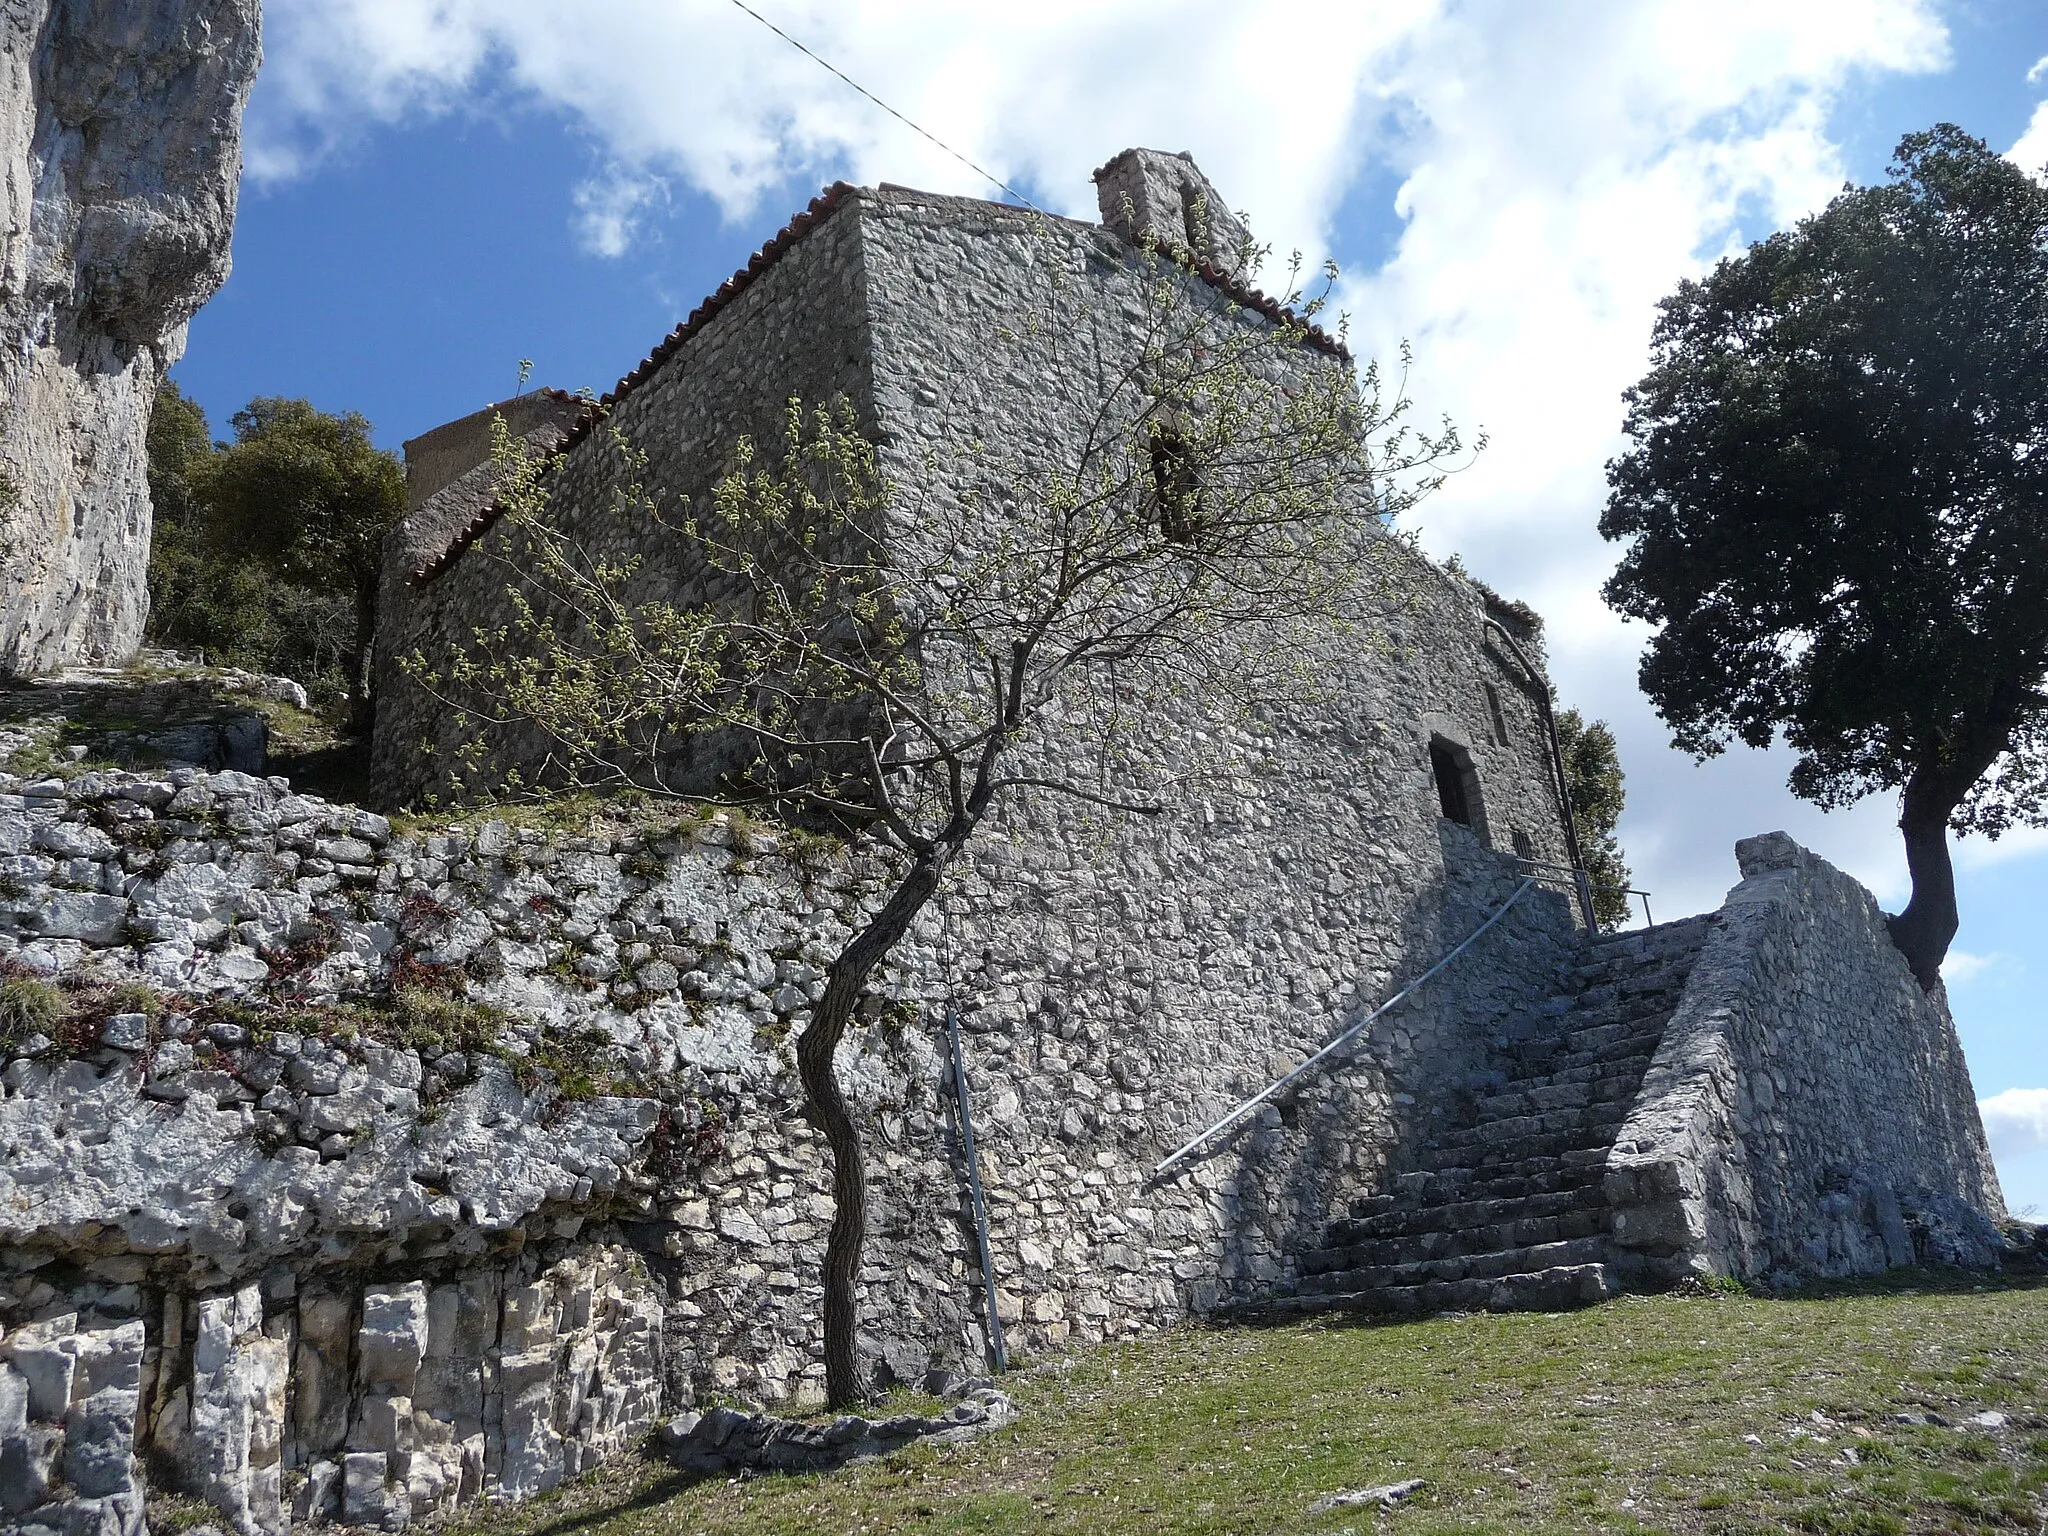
{"x": 986, "y": 175}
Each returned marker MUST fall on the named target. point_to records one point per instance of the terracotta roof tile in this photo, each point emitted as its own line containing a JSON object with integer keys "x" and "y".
{"x": 821, "y": 208}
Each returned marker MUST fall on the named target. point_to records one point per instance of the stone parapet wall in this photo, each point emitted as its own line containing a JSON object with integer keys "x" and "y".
{"x": 1809, "y": 1112}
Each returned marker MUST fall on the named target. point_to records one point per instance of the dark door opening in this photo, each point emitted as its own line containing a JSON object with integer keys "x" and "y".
{"x": 1450, "y": 782}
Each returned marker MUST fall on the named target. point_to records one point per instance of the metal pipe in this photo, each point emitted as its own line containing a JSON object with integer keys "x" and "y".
{"x": 988, "y": 1270}
{"x": 1541, "y": 686}
{"x": 1625, "y": 890}
{"x": 1274, "y": 1087}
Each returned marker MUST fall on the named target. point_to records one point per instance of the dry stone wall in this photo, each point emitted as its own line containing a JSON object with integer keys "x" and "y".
{"x": 1809, "y": 1113}
{"x": 262, "y": 1166}
{"x": 120, "y": 160}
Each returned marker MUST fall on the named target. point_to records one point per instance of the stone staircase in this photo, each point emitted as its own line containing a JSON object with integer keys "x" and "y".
{"x": 1506, "y": 1211}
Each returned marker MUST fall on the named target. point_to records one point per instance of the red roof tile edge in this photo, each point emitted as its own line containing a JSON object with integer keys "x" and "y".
{"x": 820, "y": 208}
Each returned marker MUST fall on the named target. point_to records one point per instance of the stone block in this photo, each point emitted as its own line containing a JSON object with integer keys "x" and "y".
{"x": 234, "y": 1440}
{"x": 28, "y": 1466}
{"x": 46, "y": 1361}
{"x": 531, "y": 1461}
{"x": 369, "y": 1496}
{"x": 85, "y": 916}
{"x": 384, "y": 1423}
{"x": 393, "y": 1338}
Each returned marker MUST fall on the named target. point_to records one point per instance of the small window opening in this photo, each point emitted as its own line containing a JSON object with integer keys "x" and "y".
{"x": 1525, "y": 850}
{"x": 1500, "y": 717}
{"x": 1176, "y": 485}
{"x": 1451, "y": 790}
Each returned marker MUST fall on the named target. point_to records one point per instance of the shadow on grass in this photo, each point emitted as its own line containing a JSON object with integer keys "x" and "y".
{"x": 599, "y": 1510}
{"x": 2020, "y": 1273}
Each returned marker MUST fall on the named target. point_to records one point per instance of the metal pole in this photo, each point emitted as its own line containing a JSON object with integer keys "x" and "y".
{"x": 1541, "y": 693}
{"x": 1265, "y": 1093}
{"x": 988, "y": 1269}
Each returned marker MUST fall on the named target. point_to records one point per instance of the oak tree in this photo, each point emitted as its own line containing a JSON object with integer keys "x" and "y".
{"x": 307, "y": 497}
{"x": 1594, "y": 780}
{"x": 1836, "y": 505}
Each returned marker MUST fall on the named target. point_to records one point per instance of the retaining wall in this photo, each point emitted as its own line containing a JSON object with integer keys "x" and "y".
{"x": 625, "y": 1127}
{"x": 1810, "y": 1112}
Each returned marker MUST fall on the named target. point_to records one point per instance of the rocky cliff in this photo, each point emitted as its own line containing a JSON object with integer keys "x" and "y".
{"x": 120, "y": 154}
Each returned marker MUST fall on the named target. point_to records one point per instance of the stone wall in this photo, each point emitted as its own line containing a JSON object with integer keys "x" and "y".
{"x": 796, "y": 327}
{"x": 631, "y": 1107}
{"x": 961, "y": 332}
{"x": 1809, "y": 1113}
{"x": 120, "y": 160}
{"x": 371, "y": 1404}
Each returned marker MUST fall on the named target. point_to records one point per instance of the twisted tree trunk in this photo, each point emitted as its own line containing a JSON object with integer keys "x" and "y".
{"x": 844, "y": 979}
{"x": 1925, "y": 929}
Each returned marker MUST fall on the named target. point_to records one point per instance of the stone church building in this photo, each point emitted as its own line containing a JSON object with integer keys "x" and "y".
{"x": 335, "y": 1275}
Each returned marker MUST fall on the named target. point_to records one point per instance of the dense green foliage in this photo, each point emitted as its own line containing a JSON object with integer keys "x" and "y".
{"x": 1833, "y": 497}
{"x": 266, "y": 549}
{"x": 1592, "y": 773}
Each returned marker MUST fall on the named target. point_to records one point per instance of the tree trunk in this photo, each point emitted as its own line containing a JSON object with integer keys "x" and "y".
{"x": 844, "y": 979}
{"x": 1923, "y": 931}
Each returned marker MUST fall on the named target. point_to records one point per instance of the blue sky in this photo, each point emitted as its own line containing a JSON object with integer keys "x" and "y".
{"x": 435, "y": 193}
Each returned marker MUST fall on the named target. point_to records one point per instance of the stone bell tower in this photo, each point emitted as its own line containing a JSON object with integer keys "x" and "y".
{"x": 1148, "y": 194}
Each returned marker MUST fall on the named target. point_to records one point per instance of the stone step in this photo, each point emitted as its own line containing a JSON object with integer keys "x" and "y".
{"x": 1619, "y": 1077}
{"x": 1505, "y": 1206}
{"x": 1459, "y": 1242}
{"x": 1541, "y": 1095}
{"x": 1483, "y": 1264}
{"x": 1577, "y": 1071}
{"x": 1547, "y": 1290}
{"x": 1448, "y": 1185}
{"x": 1475, "y": 1181}
{"x": 1586, "y": 1121}
{"x": 1595, "y": 1040}
{"x": 1543, "y": 1150}
{"x": 1458, "y": 1215}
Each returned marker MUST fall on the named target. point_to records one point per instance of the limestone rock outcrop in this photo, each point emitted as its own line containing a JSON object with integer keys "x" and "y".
{"x": 120, "y": 158}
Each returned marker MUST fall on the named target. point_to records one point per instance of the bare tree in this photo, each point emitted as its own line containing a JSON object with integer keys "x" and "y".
{"x": 900, "y": 657}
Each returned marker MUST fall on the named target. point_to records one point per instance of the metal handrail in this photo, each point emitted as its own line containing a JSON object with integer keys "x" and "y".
{"x": 1237, "y": 1114}
{"x": 1591, "y": 884}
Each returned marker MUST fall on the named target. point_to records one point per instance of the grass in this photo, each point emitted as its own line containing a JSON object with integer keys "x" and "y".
{"x": 1630, "y": 1417}
{"x": 108, "y": 715}
{"x": 630, "y": 813}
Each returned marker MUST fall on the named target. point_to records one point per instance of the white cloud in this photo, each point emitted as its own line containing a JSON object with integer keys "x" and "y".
{"x": 1560, "y": 181}
{"x": 698, "y": 91}
{"x": 1560, "y": 171}
{"x": 609, "y": 208}
{"x": 2039, "y": 72}
{"x": 2016, "y": 1122}
{"x": 2030, "y": 153}
{"x": 1960, "y": 967}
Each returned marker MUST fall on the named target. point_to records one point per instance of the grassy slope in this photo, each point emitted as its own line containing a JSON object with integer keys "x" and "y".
{"x": 1627, "y": 1417}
